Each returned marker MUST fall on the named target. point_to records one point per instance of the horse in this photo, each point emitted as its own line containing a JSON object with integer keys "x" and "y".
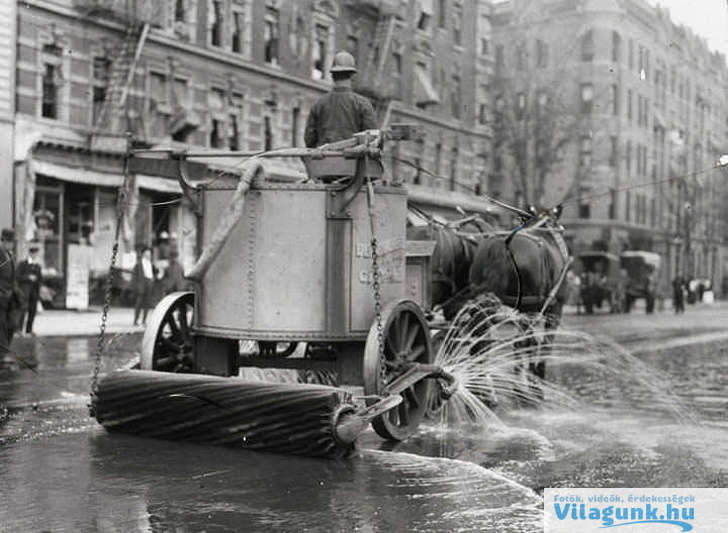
{"x": 525, "y": 269}
{"x": 451, "y": 258}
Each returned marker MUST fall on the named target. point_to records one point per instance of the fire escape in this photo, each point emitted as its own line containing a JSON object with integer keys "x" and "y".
{"x": 371, "y": 80}
{"x": 115, "y": 116}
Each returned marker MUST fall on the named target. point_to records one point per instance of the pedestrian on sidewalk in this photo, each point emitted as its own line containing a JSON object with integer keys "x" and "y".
{"x": 143, "y": 278}
{"x": 678, "y": 296}
{"x": 174, "y": 275}
{"x": 10, "y": 303}
{"x": 29, "y": 281}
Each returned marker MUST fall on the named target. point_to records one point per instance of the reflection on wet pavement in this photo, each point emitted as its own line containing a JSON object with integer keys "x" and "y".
{"x": 60, "y": 472}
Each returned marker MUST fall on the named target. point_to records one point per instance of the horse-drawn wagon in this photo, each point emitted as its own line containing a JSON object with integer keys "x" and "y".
{"x": 326, "y": 262}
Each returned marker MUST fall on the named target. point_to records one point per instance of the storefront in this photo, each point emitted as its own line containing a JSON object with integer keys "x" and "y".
{"x": 73, "y": 221}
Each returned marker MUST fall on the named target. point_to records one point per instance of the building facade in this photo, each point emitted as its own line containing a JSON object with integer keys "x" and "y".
{"x": 8, "y": 18}
{"x": 637, "y": 108}
{"x": 225, "y": 75}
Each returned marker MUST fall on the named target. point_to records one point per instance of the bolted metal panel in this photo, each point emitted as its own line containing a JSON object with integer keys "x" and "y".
{"x": 270, "y": 275}
{"x": 390, "y": 208}
{"x": 290, "y": 270}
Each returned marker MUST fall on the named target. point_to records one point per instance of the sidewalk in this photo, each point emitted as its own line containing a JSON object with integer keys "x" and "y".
{"x": 69, "y": 323}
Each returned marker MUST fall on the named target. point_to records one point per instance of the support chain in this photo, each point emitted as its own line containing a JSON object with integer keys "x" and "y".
{"x": 120, "y": 205}
{"x": 376, "y": 284}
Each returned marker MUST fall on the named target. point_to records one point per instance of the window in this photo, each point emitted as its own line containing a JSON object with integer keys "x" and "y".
{"x": 235, "y": 120}
{"x": 630, "y": 58}
{"x": 216, "y": 103}
{"x": 499, "y": 56}
{"x": 615, "y": 100}
{"x": 179, "y": 11}
{"x": 520, "y": 56}
{"x": 101, "y": 66}
{"x": 587, "y": 97}
{"x": 483, "y": 114}
{"x": 442, "y": 13}
{"x": 542, "y": 54}
{"x": 627, "y": 206}
{"x": 616, "y": 47}
{"x": 216, "y": 22}
{"x": 629, "y": 105}
{"x": 418, "y": 161}
{"x": 181, "y": 92}
{"x": 397, "y": 60}
{"x": 584, "y": 210}
{"x": 297, "y": 36}
{"x": 50, "y": 92}
{"x": 542, "y": 99}
{"x": 613, "y": 156}
{"x": 484, "y": 46}
{"x": 613, "y": 204}
{"x": 234, "y": 132}
{"x": 455, "y": 96}
{"x": 438, "y": 158}
{"x": 424, "y": 21}
{"x": 453, "y": 167}
{"x": 628, "y": 158}
{"x": 318, "y": 71}
{"x": 585, "y": 152}
{"x": 271, "y": 35}
{"x": 587, "y": 46}
{"x": 215, "y": 134}
{"x": 238, "y": 31}
{"x": 267, "y": 134}
{"x": 158, "y": 87}
{"x": 520, "y": 105}
{"x": 99, "y": 97}
{"x": 457, "y": 24}
{"x": 295, "y": 120}
{"x": 100, "y": 79}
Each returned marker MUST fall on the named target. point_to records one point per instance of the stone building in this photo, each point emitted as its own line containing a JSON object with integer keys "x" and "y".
{"x": 221, "y": 74}
{"x": 641, "y": 110}
{"x": 8, "y": 19}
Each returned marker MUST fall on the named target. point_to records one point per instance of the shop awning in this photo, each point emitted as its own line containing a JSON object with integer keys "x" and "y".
{"x": 425, "y": 93}
{"x": 77, "y": 175}
{"x": 158, "y": 184}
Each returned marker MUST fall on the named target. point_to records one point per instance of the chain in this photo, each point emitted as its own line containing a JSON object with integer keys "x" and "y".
{"x": 376, "y": 288}
{"x": 120, "y": 203}
{"x": 376, "y": 283}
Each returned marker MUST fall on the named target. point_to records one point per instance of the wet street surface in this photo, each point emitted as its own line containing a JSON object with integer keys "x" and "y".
{"x": 60, "y": 471}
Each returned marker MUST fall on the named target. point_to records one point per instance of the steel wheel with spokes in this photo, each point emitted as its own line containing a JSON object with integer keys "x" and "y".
{"x": 167, "y": 345}
{"x": 406, "y": 340}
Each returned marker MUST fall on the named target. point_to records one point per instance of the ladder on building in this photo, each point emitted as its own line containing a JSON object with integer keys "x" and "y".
{"x": 111, "y": 118}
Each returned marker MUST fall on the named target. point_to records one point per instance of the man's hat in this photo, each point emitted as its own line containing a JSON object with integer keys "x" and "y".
{"x": 343, "y": 62}
{"x": 164, "y": 235}
{"x": 8, "y": 235}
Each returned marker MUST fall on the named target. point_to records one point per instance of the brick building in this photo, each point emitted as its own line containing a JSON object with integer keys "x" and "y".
{"x": 222, "y": 74}
{"x": 642, "y": 105}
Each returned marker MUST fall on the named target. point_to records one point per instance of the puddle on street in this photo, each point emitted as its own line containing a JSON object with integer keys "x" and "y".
{"x": 60, "y": 471}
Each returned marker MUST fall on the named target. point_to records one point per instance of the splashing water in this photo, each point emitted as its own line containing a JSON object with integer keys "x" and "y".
{"x": 493, "y": 350}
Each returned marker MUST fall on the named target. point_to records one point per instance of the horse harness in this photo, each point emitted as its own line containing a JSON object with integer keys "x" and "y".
{"x": 545, "y": 297}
